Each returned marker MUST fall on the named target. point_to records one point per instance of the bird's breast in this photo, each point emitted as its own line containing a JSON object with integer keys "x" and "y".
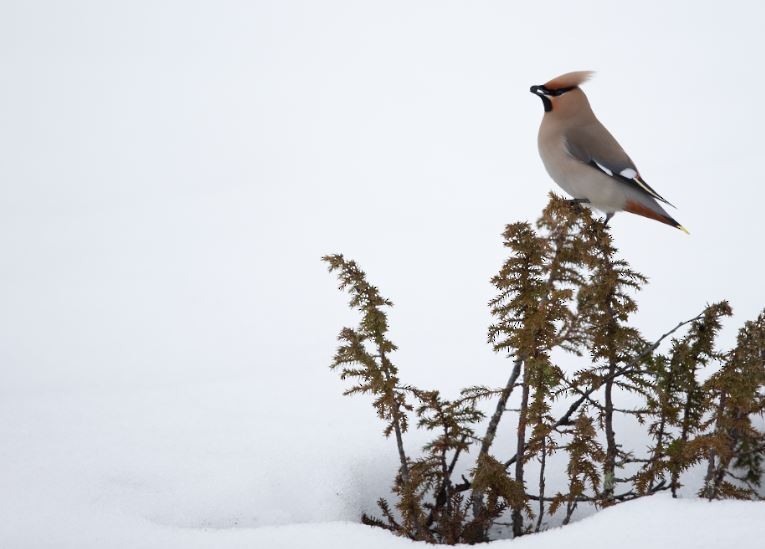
{"x": 576, "y": 178}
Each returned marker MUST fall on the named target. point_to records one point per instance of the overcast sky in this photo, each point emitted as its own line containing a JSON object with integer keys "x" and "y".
{"x": 171, "y": 173}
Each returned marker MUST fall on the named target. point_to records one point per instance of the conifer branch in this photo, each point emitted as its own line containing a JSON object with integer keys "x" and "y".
{"x": 491, "y": 430}
{"x": 624, "y": 496}
{"x": 374, "y": 375}
{"x": 630, "y": 367}
{"x": 561, "y": 288}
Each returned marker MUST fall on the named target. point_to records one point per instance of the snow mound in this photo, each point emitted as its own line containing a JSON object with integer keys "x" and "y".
{"x": 657, "y": 521}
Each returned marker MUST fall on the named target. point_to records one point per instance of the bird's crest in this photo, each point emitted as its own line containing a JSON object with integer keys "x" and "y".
{"x": 569, "y": 80}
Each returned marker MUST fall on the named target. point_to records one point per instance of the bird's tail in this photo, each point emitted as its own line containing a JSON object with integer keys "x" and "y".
{"x": 657, "y": 212}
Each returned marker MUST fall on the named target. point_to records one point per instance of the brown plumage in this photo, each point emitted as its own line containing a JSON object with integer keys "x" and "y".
{"x": 568, "y": 80}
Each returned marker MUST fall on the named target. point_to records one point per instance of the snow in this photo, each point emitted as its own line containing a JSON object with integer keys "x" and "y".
{"x": 659, "y": 521}
{"x": 193, "y": 456}
{"x": 205, "y": 465}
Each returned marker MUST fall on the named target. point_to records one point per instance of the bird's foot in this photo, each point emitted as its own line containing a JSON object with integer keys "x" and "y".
{"x": 607, "y": 219}
{"x": 576, "y": 203}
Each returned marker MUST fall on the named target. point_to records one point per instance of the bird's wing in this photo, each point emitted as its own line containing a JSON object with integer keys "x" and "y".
{"x": 594, "y": 145}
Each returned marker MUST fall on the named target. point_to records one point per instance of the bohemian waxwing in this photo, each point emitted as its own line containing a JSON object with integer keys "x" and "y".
{"x": 583, "y": 158}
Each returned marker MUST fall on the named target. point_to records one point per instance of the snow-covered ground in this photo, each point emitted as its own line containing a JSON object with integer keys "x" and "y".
{"x": 80, "y": 468}
{"x": 657, "y": 522}
{"x": 205, "y": 465}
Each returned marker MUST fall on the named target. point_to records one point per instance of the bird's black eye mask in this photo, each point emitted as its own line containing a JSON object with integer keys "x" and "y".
{"x": 544, "y": 92}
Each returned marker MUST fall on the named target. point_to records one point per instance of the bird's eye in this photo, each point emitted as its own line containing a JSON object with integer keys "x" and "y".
{"x": 561, "y": 91}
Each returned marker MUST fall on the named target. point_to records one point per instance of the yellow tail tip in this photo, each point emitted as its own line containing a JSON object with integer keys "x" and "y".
{"x": 683, "y": 229}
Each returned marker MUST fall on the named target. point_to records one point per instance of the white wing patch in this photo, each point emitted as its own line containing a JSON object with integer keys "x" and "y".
{"x": 603, "y": 168}
{"x": 632, "y": 175}
{"x": 629, "y": 173}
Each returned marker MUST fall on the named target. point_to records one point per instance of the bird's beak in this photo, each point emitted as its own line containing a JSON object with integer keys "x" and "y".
{"x": 540, "y": 91}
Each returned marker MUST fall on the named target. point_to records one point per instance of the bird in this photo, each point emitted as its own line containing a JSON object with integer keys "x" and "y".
{"x": 585, "y": 160}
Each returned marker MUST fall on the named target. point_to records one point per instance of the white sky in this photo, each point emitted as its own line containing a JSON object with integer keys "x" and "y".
{"x": 171, "y": 172}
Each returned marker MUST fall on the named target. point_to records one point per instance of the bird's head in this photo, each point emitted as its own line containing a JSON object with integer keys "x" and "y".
{"x": 551, "y": 92}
